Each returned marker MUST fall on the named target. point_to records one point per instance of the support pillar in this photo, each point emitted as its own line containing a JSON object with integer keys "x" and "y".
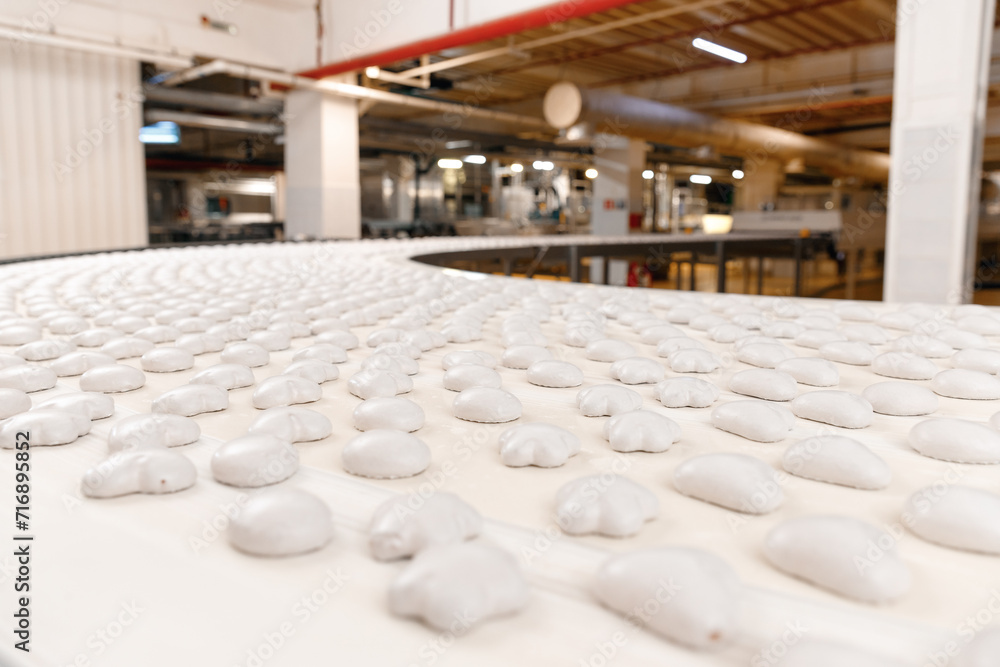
{"x": 322, "y": 167}
{"x": 939, "y": 106}
{"x": 617, "y": 191}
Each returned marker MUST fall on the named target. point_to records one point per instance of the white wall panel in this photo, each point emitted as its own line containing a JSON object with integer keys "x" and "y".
{"x": 72, "y": 172}
{"x": 271, "y": 34}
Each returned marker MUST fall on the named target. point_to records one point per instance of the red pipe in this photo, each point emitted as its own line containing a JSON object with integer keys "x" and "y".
{"x": 535, "y": 18}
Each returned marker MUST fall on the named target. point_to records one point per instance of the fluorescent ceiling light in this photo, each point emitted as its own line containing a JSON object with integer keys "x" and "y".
{"x": 164, "y": 132}
{"x": 373, "y": 72}
{"x": 461, "y": 143}
{"x": 738, "y": 174}
{"x": 542, "y": 165}
{"x": 517, "y": 167}
{"x": 475, "y": 159}
{"x": 648, "y": 174}
{"x": 449, "y": 163}
{"x": 700, "y": 179}
{"x": 718, "y": 50}
{"x": 590, "y": 173}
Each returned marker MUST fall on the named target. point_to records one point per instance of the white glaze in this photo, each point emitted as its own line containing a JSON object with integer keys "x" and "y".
{"x": 609, "y": 350}
{"x": 245, "y": 354}
{"x": 89, "y": 404}
{"x": 900, "y": 398}
{"x": 453, "y": 587}
{"x": 385, "y": 454}
{"x": 837, "y": 408}
{"x": 764, "y": 383}
{"x": 13, "y": 402}
{"x": 27, "y": 378}
{"x": 735, "y": 481}
{"x": 698, "y": 597}
{"x": 394, "y": 413}
{"x": 467, "y": 376}
{"x": 641, "y": 431}
{"x": 693, "y": 360}
{"x": 152, "y": 430}
{"x": 609, "y": 505}
{"x": 327, "y": 352}
{"x": 754, "y": 420}
{"x": 542, "y": 445}
{"x": 763, "y": 355}
{"x": 253, "y": 460}
{"x": 282, "y": 390}
{"x": 192, "y": 399}
{"x": 686, "y": 392}
{"x": 313, "y": 370}
{"x": 112, "y": 379}
{"x": 282, "y": 522}
{"x": 77, "y": 363}
{"x": 904, "y": 365}
{"x": 486, "y": 405}
{"x": 150, "y": 471}
{"x": 44, "y": 427}
{"x": 956, "y": 440}
{"x": 127, "y": 347}
{"x": 961, "y": 383}
{"x": 607, "y": 400}
{"x": 837, "y": 460}
{"x": 959, "y": 517}
{"x": 812, "y": 371}
{"x": 374, "y": 383}
{"x": 405, "y": 525}
{"x": 227, "y": 376}
{"x": 638, "y": 370}
{"x": 842, "y": 554}
{"x": 519, "y": 357}
{"x": 554, "y": 373}
{"x": 815, "y": 653}
{"x": 848, "y": 352}
{"x": 474, "y": 357}
{"x": 295, "y": 424}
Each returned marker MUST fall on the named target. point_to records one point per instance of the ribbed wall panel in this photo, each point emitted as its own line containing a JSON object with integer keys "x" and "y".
{"x": 72, "y": 172}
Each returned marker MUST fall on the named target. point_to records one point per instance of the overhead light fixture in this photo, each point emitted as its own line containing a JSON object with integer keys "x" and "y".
{"x": 542, "y": 165}
{"x": 461, "y": 143}
{"x": 738, "y": 174}
{"x": 590, "y": 173}
{"x": 648, "y": 174}
{"x": 517, "y": 167}
{"x": 373, "y": 72}
{"x": 700, "y": 179}
{"x": 449, "y": 163}
{"x": 164, "y": 132}
{"x": 719, "y": 50}
{"x": 475, "y": 159}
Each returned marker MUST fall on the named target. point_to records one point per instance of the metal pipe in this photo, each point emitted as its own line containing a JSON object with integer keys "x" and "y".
{"x": 213, "y": 122}
{"x": 21, "y": 34}
{"x": 362, "y": 93}
{"x": 566, "y": 105}
{"x": 200, "y": 99}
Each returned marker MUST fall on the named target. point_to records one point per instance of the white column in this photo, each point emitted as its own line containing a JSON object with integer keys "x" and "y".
{"x": 939, "y": 105}
{"x": 322, "y": 166}
{"x": 616, "y": 192}
{"x": 760, "y": 184}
